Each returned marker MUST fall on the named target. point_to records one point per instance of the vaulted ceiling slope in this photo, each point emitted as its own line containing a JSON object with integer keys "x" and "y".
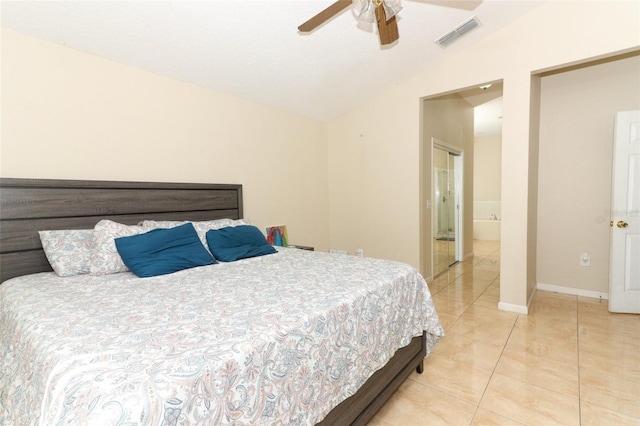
{"x": 253, "y": 50}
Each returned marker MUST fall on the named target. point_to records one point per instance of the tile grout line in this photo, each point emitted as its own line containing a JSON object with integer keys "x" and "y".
{"x": 504, "y": 347}
{"x": 474, "y": 265}
{"x": 475, "y": 413}
{"x": 472, "y": 302}
{"x": 460, "y": 316}
{"x": 494, "y": 372}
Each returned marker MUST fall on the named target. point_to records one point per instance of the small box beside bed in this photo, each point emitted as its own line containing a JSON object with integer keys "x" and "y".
{"x": 284, "y": 337}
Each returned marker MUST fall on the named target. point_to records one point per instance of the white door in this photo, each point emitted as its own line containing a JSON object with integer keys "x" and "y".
{"x": 624, "y": 265}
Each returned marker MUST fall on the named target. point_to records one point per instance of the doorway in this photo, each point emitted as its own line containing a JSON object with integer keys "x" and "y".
{"x": 447, "y": 196}
{"x": 449, "y": 118}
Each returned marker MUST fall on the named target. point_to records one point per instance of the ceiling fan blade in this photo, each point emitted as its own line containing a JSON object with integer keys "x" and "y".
{"x": 387, "y": 30}
{"x": 324, "y": 16}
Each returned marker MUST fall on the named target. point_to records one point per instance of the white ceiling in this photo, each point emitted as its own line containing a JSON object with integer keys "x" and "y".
{"x": 252, "y": 49}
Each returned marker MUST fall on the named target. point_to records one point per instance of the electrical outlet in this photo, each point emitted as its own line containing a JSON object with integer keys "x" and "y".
{"x": 585, "y": 259}
{"x": 360, "y": 252}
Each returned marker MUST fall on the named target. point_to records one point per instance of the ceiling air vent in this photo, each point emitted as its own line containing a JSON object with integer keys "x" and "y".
{"x": 458, "y": 32}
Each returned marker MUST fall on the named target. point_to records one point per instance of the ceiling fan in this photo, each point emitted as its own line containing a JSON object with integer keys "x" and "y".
{"x": 382, "y": 12}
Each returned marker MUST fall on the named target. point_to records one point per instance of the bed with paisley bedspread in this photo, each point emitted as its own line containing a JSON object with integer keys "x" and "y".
{"x": 293, "y": 337}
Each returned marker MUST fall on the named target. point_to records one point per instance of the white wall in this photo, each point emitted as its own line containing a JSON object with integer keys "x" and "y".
{"x": 66, "y": 114}
{"x": 383, "y": 164}
{"x": 576, "y": 156}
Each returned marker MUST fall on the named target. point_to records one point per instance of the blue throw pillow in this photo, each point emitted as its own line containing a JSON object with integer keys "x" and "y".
{"x": 163, "y": 251}
{"x": 238, "y": 242}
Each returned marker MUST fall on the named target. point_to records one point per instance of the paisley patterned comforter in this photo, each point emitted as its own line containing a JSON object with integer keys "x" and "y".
{"x": 279, "y": 339}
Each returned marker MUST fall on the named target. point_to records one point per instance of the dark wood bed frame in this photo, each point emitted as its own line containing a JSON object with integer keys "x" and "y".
{"x": 30, "y": 205}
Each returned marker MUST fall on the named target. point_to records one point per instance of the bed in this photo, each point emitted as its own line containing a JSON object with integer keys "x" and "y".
{"x": 213, "y": 344}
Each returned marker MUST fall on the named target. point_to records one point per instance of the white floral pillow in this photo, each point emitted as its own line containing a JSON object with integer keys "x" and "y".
{"x": 105, "y": 258}
{"x": 201, "y": 227}
{"x": 68, "y": 251}
{"x": 154, "y": 224}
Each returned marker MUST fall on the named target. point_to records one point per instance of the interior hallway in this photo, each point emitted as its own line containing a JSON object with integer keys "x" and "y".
{"x": 568, "y": 362}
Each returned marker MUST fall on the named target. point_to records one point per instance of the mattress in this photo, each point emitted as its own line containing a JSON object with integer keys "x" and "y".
{"x": 277, "y": 339}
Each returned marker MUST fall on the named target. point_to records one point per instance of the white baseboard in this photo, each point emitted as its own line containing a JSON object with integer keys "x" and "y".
{"x": 572, "y": 291}
{"x": 518, "y": 309}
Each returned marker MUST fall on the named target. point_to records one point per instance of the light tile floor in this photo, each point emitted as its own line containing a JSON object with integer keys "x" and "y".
{"x": 568, "y": 362}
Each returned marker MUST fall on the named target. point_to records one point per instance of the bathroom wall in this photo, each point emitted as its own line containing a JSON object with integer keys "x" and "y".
{"x": 487, "y": 176}
{"x": 487, "y": 181}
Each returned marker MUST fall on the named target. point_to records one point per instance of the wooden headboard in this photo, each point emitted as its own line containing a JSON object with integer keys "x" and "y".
{"x": 31, "y": 205}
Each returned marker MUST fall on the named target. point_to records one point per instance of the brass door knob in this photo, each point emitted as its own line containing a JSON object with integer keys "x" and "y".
{"x": 622, "y": 224}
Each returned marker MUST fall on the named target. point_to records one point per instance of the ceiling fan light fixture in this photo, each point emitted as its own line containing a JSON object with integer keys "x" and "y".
{"x": 378, "y": 12}
{"x": 365, "y": 10}
{"x": 391, "y": 8}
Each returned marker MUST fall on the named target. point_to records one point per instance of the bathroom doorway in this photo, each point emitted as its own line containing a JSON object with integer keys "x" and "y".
{"x": 447, "y": 196}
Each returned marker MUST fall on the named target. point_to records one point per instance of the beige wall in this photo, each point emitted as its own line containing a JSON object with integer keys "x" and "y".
{"x": 384, "y": 164}
{"x": 371, "y": 207}
{"x": 576, "y": 156}
{"x": 487, "y": 173}
{"x": 66, "y": 114}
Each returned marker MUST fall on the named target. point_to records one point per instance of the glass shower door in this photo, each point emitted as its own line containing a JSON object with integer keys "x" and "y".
{"x": 446, "y": 210}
